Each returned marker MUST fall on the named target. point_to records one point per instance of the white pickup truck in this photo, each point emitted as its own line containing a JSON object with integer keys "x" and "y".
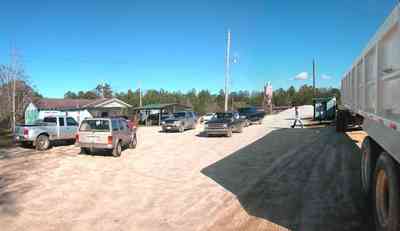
{"x": 43, "y": 132}
{"x": 371, "y": 98}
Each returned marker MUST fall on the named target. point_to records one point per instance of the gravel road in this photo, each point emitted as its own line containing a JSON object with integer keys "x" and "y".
{"x": 267, "y": 178}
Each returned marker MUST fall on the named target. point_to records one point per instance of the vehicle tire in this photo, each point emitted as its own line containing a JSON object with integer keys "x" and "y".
{"x": 42, "y": 143}
{"x": 117, "y": 150}
{"x": 85, "y": 151}
{"x": 133, "y": 142}
{"x": 181, "y": 129}
{"x": 386, "y": 194}
{"x": 229, "y": 132}
{"x": 339, "y": 122}
{"x": 240, "y": 129}
{"x": 369, "y": 155}
{"x": 247, "y": 123}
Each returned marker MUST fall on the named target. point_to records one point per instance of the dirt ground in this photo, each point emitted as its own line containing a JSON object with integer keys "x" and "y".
{"x": 268, "y": 178}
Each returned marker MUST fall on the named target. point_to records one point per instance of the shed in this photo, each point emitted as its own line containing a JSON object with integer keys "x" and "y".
{"x": 151, "y": 114}
{"x": 324, "y": 108}
{"x": 76, "y": 108}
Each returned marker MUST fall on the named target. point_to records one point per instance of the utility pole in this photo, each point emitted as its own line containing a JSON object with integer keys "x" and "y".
{"x": 314, "y": 73}
{"x": 314, "y": 90}
{"x": 140, "y": 95}
{"x": 227, "y": 63}
{"x": 14, "y": 76}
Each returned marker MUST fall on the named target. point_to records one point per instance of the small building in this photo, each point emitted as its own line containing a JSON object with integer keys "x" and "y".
{"x": 79, "y": 109}
{"x": 324, "y": 108}
{"x": 152, "y": 114}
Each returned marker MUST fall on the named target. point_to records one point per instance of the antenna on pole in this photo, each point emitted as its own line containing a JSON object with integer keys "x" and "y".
{"x": 227, "y": 63}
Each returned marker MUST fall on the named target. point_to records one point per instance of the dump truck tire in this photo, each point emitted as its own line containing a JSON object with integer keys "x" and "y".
{"x": 369, "y": 154}
{"x": 386, "y": 194}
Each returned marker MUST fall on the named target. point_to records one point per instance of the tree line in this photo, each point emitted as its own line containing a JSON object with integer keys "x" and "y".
{"x": 204, "y": 101}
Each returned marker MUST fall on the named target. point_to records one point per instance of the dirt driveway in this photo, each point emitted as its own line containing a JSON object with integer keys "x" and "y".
{"x": 267, "y": 178}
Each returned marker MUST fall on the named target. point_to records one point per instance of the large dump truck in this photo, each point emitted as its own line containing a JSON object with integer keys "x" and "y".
{"x": 371, "y": 98}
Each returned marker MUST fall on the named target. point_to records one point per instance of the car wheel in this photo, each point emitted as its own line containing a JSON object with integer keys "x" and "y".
{"x": 386, "y": 194}
{"x": 133, "y": 142}
{"x": 85, "y": 151}
{"x": 240, "y": 130}
{"x": 42, "y": 143}
{"x": 117, "y": 150}
{"x": 181, "y": 129}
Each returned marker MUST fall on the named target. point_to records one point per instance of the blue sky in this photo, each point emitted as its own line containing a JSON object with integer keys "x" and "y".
{"x": 180, "y": 45}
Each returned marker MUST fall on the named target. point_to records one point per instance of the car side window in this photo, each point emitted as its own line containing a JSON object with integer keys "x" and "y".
{"x": 71, "y": 122}
{"x": 61, "y": 121}
{"x": 114, "y": 125}
{"x": 121, "y": 125}
{"x": 50, "y": 120}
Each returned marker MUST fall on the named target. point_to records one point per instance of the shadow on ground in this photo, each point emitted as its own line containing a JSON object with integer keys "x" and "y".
{"x": 302, "y": 179}
{"x": 6, "y": 138}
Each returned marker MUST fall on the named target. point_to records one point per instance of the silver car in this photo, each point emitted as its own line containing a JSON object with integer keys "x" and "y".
{"x": 106, "y": 133}
{"x": 180, "y": 122}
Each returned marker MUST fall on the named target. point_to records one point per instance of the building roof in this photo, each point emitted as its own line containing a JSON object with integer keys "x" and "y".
{"x": 68, "y": 104}
{"x": 159, "y": 106}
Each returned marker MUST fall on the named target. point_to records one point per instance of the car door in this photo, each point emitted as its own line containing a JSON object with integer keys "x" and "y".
{"x": 72, "y": 128}
{"x": 62, "y": 129}
{"x": 124, "y": 132}
{"x": 193, "y": 119}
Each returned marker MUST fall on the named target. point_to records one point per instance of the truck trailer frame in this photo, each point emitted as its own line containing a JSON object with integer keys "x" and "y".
{"x": 371, "y": 98}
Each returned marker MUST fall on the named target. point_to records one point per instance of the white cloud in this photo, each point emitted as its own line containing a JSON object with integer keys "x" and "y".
{"x": 326, "y": 77}
{"x": 301, "y": 76}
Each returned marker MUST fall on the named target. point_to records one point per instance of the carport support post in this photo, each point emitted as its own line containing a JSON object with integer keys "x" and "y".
{"x": 159, "y": 117}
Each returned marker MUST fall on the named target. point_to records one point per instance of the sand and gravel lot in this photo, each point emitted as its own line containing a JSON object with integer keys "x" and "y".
{"x": 269, "y": 177}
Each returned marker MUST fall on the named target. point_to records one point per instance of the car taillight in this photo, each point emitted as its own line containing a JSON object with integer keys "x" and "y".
{"x": 110, "y": 139}
{"x": 77, "y": 138}
{"x": 26, "y": 132}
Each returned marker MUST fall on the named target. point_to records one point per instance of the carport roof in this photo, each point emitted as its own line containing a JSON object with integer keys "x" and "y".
{"x": 158, "y": 106}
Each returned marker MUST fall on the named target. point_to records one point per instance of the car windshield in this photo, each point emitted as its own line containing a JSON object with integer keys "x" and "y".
{"x": 179, "y": 114}
{"x": 95, "y": 125}
{"x": 224, "y": 115}
{"x": 209, "y": 114}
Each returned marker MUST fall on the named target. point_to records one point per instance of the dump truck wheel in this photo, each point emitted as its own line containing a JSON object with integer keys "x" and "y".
{"x": 42, "y": 143}
{"x": 386, "y": 194}
{"x": 368, "y": 161}
{"x": 117, "y": 149}
{"x": 338, "y": 121}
